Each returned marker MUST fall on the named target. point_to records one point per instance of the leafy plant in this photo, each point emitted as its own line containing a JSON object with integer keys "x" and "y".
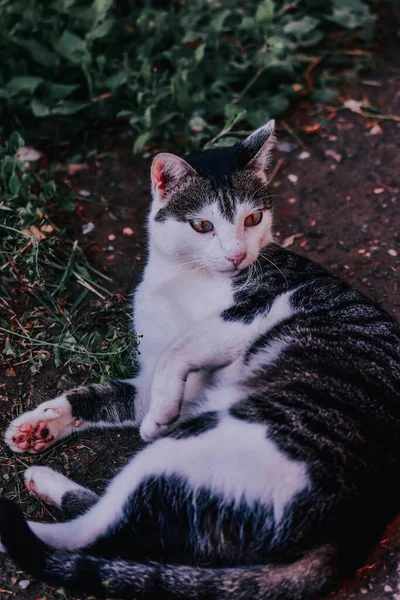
{"x": 177, "y": 71}
{"x": 52, "y": 280}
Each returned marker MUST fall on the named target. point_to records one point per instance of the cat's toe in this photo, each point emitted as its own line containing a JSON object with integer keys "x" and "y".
{"x": 150, "y": 429}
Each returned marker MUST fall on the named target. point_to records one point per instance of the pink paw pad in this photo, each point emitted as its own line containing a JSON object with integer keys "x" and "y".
{"x": 33, "y": 437}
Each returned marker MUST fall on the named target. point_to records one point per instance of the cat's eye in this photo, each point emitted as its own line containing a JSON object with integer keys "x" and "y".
{"x": 202, "y": 226}
{"x": 253, "y": 219}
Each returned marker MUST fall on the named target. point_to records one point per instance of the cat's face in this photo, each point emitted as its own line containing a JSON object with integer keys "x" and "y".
{"x": 212, "y": 211}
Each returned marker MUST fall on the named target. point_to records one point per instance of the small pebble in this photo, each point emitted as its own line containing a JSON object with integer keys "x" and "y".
{"x": 87, "y": 228}
{"x": 379, "y": 190}
{"x": 392, "y": 252}
{"x": 376, "y": 130}
{"x": 84, "y": 193}
{"x": 293, "y": 178}
{"x": 387, "y": 588}
{"x": 286, "y": 147}
{"x": 304, "y": 155}
{"x": 127, "y": 231}
{"x": 111, "y": 237}
{"x": 334, "y": 155}
{"x": 364, "y": 590}
{"x": 292, "y": 200}
{"x": 24, "y": 583}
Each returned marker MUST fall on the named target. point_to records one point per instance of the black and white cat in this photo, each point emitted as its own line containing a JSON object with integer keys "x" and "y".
{"x": 270, "y": 392}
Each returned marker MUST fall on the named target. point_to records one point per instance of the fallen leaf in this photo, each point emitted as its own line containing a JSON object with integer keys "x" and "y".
{"x": 28, "y": 154}
{"x": 76, "y": 167}
{"x": 334, "y": 155}
{"x": 376, "y": 130}
{"x": 10, "y": 372}
{"x": 37, "y": 234}
{"x": 353, "y": 105}
{"x": 47, "y": 229}
{"x": 289, "y": 241}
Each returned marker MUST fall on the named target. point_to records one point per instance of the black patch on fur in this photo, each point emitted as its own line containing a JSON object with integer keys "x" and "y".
{"x": 21, "y": 544}
{"x": 77, "y": 502}
{"x": 195, "y": 427}
{"x": 111, "y": 402}
{"x": 222, "y": 179}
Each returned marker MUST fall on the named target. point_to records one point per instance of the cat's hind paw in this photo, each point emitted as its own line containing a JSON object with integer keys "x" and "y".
{"x": 48, "y": 485}
{"x": 38, "y": 429}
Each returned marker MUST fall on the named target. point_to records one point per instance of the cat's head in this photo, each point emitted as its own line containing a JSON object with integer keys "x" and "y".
{"x": 211, "y": 210}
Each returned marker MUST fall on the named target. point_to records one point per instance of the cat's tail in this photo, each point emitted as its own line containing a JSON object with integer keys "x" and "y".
{"x": 309, "y": 577}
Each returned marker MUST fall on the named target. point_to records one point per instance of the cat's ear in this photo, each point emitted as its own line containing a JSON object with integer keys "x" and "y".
{"x": 255, "y": 151}
{"x": 167, "y": 173}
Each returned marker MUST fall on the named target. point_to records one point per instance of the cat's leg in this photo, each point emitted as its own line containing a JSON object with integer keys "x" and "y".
{"x": 54, "y": 488}
{"x": 213, "y": 344}
{"x": 92, "y": 406}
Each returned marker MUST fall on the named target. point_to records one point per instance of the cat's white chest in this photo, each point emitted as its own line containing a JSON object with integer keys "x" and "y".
{"x": 181, "y": 300}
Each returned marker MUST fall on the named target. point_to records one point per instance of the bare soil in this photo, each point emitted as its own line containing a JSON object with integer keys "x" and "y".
{"x": 339, "y": 206}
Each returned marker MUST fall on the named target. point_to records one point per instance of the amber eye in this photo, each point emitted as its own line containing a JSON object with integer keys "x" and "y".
{"x": 253, "y": 219}
{"x": 202, "y": 226}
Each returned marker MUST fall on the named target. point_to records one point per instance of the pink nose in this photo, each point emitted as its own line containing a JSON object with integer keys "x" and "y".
{"x": 236, "y": 259}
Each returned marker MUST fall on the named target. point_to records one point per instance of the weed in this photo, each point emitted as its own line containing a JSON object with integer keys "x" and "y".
{"x": 183, "y": 72}
{"x": 45, "y": 280}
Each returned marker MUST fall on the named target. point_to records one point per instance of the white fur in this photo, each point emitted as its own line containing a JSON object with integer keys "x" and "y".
{"x": 215, "y": 343}
{"x": 235, "y": 460}
{"x": 185, "y": 288}
{"x": 49, "y": 484}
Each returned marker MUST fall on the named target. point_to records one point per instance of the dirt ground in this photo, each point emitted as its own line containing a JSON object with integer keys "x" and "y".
{"x": 337, "y": 202}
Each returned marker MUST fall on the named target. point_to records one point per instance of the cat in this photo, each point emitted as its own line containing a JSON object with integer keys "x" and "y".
{"x": 268, "y": 395}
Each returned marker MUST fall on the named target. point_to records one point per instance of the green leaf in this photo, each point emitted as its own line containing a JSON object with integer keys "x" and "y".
{"x": 49, "y": 189}
{"x": 26, "y": 84}
{"x": 59, "y": 91}
{"x": 14, "y": 184}
{"x": 350, "y": 14}
{"x": 301, "y": 28}
{"x": 38, "y": 108}
{"x": 15, "y": 142}
{"x": 39, "y": 52}
{"x": 199, "y": 53}
{"x": 72, "y": 47}
{"x": 69, "y": 107}
{"x": 101, "y": 30}
{"x": 265, "y": 12}
{"x": 141, "y": 141}
{"x": 324, "y": 94}
{"x": 101, "y": 8}
{"x": 218, "y": 21}
{"x": 66, "y": 199}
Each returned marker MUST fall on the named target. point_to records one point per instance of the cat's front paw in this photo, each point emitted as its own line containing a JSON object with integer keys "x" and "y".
{"x": 38, "y": 429}
{"x": 150, "y": 429}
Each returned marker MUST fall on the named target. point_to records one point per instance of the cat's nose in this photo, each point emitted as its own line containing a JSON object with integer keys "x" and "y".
{"x": 237, "y": 258}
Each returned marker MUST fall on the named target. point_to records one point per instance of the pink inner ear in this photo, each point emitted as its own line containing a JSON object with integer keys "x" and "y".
{"x": 157, "y": 175}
